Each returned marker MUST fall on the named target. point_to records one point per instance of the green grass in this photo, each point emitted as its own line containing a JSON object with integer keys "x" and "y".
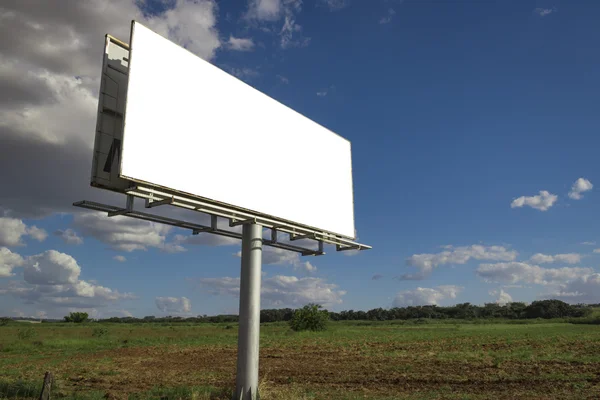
{"x": 501, "y": 346}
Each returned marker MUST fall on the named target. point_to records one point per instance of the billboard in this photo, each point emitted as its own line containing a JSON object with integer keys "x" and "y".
{"x": 192, "y": 128}
{"x": 109, "y": 121}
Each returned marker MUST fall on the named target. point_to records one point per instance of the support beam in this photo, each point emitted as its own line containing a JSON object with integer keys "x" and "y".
{"x": 249, "y": 326}
{"x": 156, "y": 203}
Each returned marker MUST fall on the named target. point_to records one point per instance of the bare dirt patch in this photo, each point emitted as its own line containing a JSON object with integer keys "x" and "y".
{"x": 324, "y": 370}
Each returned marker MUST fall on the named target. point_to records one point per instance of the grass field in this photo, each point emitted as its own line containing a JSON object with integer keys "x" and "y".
{"x": 517, "y": 360}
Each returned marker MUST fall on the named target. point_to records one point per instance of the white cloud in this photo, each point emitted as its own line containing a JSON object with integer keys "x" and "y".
{"x": 69, "y": 236}
{"x": 281, "y": 291}
{"x": 289, "y": 31}
{"x": 240, "y": 44}
{"x": 580, "y": 186}
{"x": 8, "y": 261}
{"x": 244, "y": 73}
{"x": 13, "y": 229}
{"x": 596, "y": 250}
{"x": 541, "y": 202}
{"x": 49, "y": 80}
{"x": 306, "y": 267}
{"x": 388, "y": 17}
{"x": 584, "y": 289}
{"x": 569, "y": 258}
{"x": 206, "y": 239}
{"x": 426, "y": 296}
{"x": 502, "y": 297}
{"x": 273, "y": 11}
{"x": 325, "y": 92}
{"x": 52, "y": 279}
{"x": 283, "y": 79}
{"x": 514, "y": 272}
{"x": 37, "y": 233}
{"x": 277, "y": 256}
{"x": 265, "y": 10}
{"x": 589, "y": 243}
{"x": 51, "y": 268}
{"x": 456, "y": 255}
{"x": 122, "y": 233}
{"x": 334, "y": 5}
{"x": 176, "y": 305}
{"x": 542, "y": 12}
{"x": 120, "y": 258}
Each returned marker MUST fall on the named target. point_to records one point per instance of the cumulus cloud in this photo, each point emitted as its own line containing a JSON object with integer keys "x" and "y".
{"x": 51, "y": 268}
{"x": 240, "y": 44}
{"x": 283, "y": 79}
{"x": 205, "y": 239}
{"x": 569, "y": 258}
{"x": 580, "y": 186}
{"x": 265, "y": 10}
{"x": 583, "y": 289}
{"x": 334, "y": 5}
{"x": 281, "y": 291}
{"x": 515, "y": 272}
{"x": 52, "y": 279}
{"x": 49, "y": 78}
{"x": 69, "y": 236}
{"x": 426, "y": 296}
{"x": 456, "y": 255}
{"x": 123, "y": 233}
{"x": 120, "y": 258}
{"x": 8, "y": 261}
{"x": 276, "y": 256}
{"x": 502, "y": 297}
{"x": 277, "y": 11}
{"x": 596, "y": 250}
{"x": 174, "y": 305}
{"x": 388, "y": 17}
{"x": 543, "y": 12}
{"x": 13, "y": 229}
{"x": 542, "y": 201}
{"x": 306, "y": 267}
{"x": 245, "y": 74}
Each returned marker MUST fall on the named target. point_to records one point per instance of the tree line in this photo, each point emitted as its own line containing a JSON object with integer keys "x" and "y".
{"x": 517, "y": 310}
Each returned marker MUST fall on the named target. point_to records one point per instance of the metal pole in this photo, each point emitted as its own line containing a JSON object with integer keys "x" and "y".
{"x": 249, "y": 326}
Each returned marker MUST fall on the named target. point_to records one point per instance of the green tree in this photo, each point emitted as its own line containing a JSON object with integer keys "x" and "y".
{"x": 77, "y": 317}
{"x": 311, "y": 317}
{"x": 550, "y": 309}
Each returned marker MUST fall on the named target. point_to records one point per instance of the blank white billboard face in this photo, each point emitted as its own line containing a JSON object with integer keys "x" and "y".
{"x": 193, "y": 128}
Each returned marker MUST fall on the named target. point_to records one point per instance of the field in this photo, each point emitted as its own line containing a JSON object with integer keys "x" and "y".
{"x": 351, "y": 360}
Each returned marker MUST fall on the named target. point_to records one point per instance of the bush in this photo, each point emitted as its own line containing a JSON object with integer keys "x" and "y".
{"x": 100, "y": 331}
{"x": 77, "y": 317}
{"x": 4, "y": 321}
{"x": 26, "y": 333}
{"x": 309, "y": 318}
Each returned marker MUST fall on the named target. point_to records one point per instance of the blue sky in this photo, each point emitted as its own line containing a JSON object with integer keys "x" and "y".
{"x": 459, "y": 114}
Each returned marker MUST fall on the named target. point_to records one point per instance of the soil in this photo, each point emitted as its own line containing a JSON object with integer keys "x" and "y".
{"x": 384, "y": 369}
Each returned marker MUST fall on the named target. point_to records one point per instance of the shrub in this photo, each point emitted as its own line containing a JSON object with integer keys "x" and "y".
{"x": 26, "y": 333}
{"x": 4, "y": 321}
{"x": 309, "y": 318}
{"x": 100, "y": 331}
{"x": 77, "y": 317}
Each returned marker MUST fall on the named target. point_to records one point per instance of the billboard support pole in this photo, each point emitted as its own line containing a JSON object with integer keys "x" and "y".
{"x": 249, "y": 324}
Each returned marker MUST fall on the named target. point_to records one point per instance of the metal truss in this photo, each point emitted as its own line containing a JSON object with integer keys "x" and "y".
{"x": 156, "y": 198}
